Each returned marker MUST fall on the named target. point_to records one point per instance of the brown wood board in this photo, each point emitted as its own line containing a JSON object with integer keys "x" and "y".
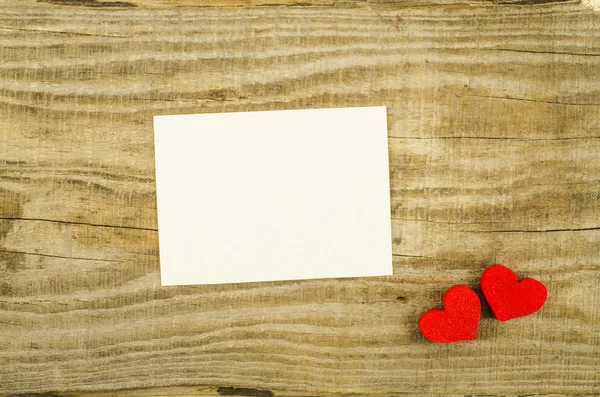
{"x": 494, "y": 144}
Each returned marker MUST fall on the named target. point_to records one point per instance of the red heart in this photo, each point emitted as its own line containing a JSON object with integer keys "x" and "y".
{"x": 508, "y": 297}
{"x": 458, "y": 320}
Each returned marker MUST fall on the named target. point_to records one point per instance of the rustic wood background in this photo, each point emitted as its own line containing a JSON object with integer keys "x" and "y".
{"x": 494, "y": 136}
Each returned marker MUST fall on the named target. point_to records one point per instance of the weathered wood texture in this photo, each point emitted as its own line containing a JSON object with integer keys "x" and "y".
{"x": 494, "y": 135}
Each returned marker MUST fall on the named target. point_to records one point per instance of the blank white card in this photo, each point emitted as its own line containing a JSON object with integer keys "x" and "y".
{"x": 275, "y": 195}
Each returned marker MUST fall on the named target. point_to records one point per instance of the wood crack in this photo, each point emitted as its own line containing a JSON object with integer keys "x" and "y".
{"x": 60, "y": 256}
{"x": 63, "y": 32}
{"x": 579, "y": 54}
{"x": 78, "y": 223}
{"x": 497, "y": 138}
{"x": 536, "y": 100}
{"x": 581, "y": 229}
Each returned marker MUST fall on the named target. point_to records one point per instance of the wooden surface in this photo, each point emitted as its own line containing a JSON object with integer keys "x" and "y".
{"x": 494, "y": 137}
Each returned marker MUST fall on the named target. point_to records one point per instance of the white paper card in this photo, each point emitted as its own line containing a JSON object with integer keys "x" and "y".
{"x": 275, "y": 195}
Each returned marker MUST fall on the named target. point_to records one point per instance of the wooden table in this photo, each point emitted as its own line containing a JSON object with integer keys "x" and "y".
{"x": 494, "y": 137}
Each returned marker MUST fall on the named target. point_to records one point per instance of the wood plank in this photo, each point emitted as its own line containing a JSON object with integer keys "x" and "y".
{"x": 494, "y": 141}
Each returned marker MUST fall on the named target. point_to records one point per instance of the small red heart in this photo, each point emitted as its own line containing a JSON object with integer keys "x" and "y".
{"x": 508, "y": 297}
{"x": 458, "y": 320}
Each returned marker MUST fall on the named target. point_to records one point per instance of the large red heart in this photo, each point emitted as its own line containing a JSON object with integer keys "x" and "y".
{"x": 508, "y": 297}
{"x": 458, "y": 320}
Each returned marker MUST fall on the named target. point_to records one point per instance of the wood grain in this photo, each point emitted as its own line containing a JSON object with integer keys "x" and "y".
{"x": 494, "y": 137}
